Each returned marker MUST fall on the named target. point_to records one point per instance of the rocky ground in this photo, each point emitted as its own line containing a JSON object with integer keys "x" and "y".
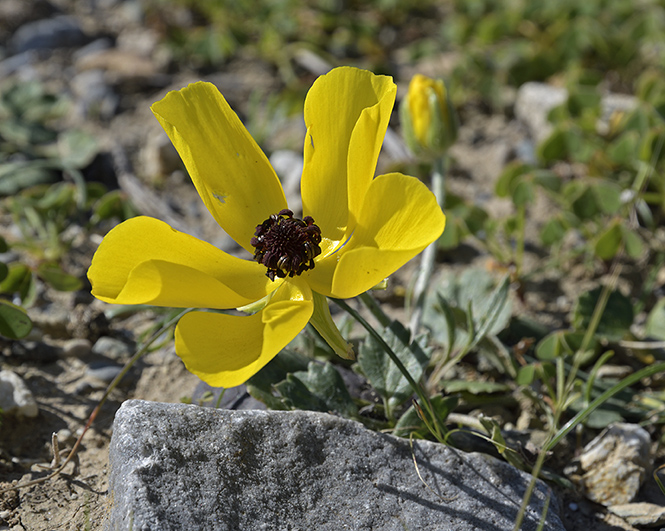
{"x": 110, "y": 60}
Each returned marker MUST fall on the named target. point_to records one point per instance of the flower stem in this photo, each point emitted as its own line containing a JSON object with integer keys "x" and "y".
{"x": 428, "y": 257}
{"x": 434, "y": 421}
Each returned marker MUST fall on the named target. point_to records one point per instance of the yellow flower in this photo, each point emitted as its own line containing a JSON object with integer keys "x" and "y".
{"x": 428, "y": 119}
{"x": 357, "y": 230}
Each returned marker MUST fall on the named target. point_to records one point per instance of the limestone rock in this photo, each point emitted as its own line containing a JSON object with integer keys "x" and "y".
{"x": 176, "y": 466}
{"x": 643, "y": 514}
{"x": 615, "y": 463}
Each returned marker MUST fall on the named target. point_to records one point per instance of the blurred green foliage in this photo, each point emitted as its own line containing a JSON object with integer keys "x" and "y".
{"x": 45, "y": 195}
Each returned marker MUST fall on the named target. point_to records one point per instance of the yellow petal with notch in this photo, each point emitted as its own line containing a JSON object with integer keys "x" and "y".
{"x": 231, "y": 173}
{"x": 346, "y": 115}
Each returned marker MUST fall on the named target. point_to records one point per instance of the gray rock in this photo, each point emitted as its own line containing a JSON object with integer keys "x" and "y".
{"x": 15, "y": 397}
{"x": 112, "y": 348}
{"x": 176, "y": 466}
{"x": 103, "y": 372}
{"x": 57, "y": 32}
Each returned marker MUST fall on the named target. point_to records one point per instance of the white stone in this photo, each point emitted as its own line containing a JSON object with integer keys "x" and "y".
{"x": 615, "y": 463}
{"x": 533, "y": 103}
{"x": 15, "y": 397}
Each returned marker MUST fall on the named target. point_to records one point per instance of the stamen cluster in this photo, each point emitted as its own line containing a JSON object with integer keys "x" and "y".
{"x": 286, "y": 245}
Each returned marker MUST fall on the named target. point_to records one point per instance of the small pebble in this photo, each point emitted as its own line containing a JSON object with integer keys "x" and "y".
{"x": 15, "y": 397}
{"x": 65, "y": 436}
{"x": 112, "y": 348}
{"x": 55, "y": 32}
{"x": 103, "y": 372}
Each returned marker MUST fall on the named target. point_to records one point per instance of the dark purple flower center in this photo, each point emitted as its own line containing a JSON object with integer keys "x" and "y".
{"x": 286, "y": 245}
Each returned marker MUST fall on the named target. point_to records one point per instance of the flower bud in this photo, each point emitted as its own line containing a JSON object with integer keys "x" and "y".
{"x": 429, "y": 122}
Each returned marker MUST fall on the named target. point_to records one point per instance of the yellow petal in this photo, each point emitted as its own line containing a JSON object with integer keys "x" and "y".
{"x": 324, "y": 324}
{"x": 230, "y": 172}
{"x": 145, "y": 261}
{"x": 398, "y": 219}
{"x": 346, "y": 114}
{"x": 225, "y": 350}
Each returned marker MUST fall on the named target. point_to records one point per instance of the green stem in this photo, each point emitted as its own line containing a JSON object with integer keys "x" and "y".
{"x": 374, "y": 308}
{"x": 574, "y": 422}
{"x": 428, "y": 257}
{"x": 439, "y": 429}
{"x": 563, "y": 391}
{"x": 604, "y": 397}
{"x": 521, "y": 234}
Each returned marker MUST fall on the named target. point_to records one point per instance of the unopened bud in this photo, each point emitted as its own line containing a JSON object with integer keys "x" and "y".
{"x": 429, "y": 122}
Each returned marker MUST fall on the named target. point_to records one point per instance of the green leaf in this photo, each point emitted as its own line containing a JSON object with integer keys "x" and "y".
{"x": 4, "y": 271}
{"x": 601, "y": 418}
{"x": 295, "y": 395}
{"x": 288, "y": 360}
{"x": 509, "y": 178}
{"x": 16, "y": 280}
{"x": 616, "y": 319}
{"x": 76, "y": 148}
{"x": 623, "y": 149}
{"x": 475, "y": 219}
{"x": 384, "y": 376}
{"x": 494, "y": 430}
{"x": 552, "y": 232}
{"x": 585, "y": 206}
{"x": 554, "y": 147}
{"x": 526, "y": 375}
{"x": 523, "y": 194}
{"x": 3, "y": 245}
{"x": 609, "y": 242}
{"x": 632, "y": 242}
{"x": 59, "y": 195}
{"x": 324, "y": 382}
{"x": 550, "y": 347}
{"x": 655, "y": 325}
{"x": 652, "y": 149}
{"x": 14, "y": 321}
{"x": 109, "y": 205}
{"x": 25, "y": 134}
{"x": 475, "y": 286}
{"x": 561, "y": 343}
{"x": 608, "y": 197}
{"x": 55, "y": 277}
{"x": 410, "y": 424}
{"x": 547, "y": 180}
{"x": 473, "y": 387}
{"x": 497, "y": 302}
{"x": 16, "y": 176}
